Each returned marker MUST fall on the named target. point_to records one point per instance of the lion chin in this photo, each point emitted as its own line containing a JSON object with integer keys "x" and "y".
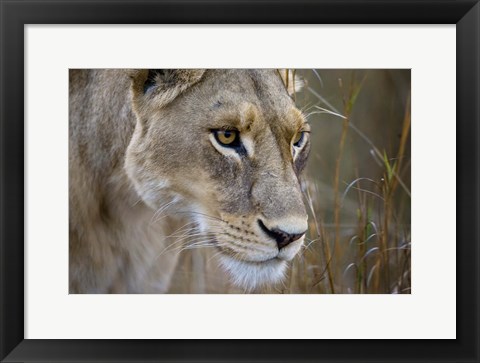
{"x": 250, "y": 275}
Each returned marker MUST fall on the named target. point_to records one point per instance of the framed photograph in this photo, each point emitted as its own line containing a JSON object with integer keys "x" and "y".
{"x": 239, "y": 181}
{"x": 234, "y": 216}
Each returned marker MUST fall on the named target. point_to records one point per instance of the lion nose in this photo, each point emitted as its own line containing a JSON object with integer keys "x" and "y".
{"x": 283, "y": 238}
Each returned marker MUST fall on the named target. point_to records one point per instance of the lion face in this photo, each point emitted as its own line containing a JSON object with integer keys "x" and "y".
{"x": 225, "y": 148}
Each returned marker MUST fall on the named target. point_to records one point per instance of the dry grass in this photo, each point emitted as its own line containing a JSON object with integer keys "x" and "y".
{"x": 359, "y": 237}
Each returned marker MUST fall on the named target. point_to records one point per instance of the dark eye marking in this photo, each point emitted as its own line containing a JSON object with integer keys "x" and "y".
{"x": 297, "y": 142}
{"x": 230, "y": 139}
{"x": 300, "y": 139}
{"x": 301, "y": 157}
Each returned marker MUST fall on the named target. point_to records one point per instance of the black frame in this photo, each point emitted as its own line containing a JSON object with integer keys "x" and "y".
{"x": 15, "y": 14}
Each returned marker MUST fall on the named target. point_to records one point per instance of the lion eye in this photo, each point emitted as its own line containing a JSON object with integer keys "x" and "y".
{"x": 298, "y": 139}
{"x": 227, "y": 138}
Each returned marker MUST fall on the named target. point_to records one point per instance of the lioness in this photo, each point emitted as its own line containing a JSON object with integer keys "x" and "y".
{"x": 161, "y": 160}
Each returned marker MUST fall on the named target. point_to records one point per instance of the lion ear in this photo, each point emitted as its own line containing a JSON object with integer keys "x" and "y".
{"x": 292, "y": 81}
{"x": 159, "y": 87}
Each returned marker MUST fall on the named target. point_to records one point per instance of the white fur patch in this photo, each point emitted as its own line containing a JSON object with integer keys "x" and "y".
{"x": 249, "y": 275}
{"x": 248, "y": 144}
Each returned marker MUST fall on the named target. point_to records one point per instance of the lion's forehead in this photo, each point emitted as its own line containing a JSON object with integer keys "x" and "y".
{"x": 231, "y": 89}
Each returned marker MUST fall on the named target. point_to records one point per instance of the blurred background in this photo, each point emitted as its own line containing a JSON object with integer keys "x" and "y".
{"x": 356, "y": 187}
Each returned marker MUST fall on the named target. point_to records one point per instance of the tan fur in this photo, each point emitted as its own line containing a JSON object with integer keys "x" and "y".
{"x": 147, "y": 179}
